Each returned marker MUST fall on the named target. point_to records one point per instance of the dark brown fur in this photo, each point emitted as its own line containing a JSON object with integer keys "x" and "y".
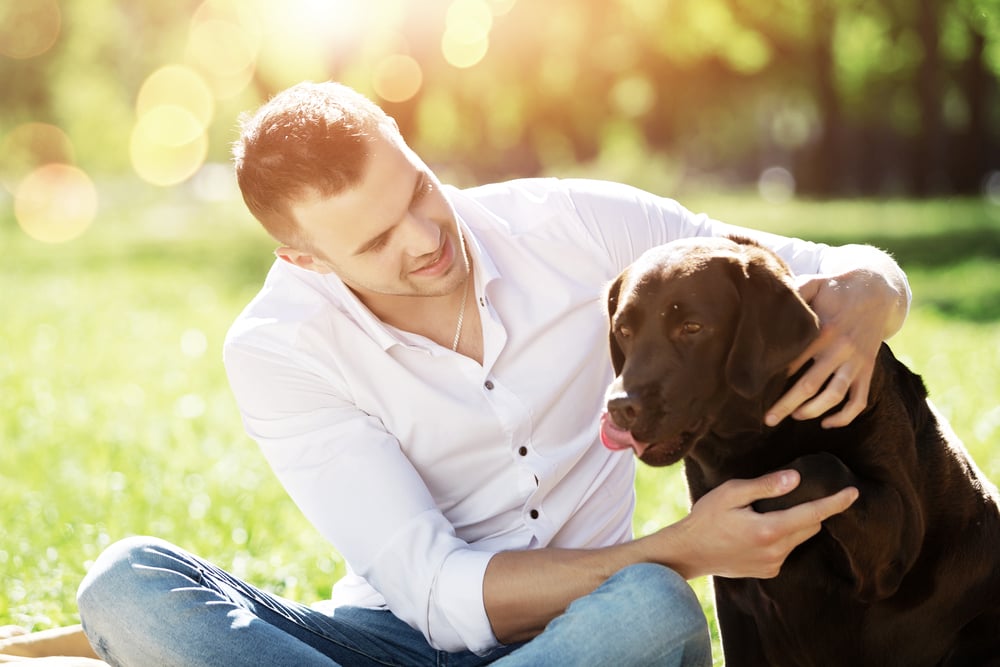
{"x": 702, "y": 332}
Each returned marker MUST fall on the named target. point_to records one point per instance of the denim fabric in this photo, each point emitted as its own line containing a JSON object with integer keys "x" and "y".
{"x": 146, "y": 602}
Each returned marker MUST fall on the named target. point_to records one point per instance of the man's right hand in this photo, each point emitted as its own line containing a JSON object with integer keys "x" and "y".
{"x": 723, "y": 535}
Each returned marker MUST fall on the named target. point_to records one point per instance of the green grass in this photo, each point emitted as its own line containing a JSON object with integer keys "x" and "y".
{"x": 115, "y": 416}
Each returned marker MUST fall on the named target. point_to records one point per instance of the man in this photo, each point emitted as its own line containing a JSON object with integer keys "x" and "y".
{"x": 424, "y": 369}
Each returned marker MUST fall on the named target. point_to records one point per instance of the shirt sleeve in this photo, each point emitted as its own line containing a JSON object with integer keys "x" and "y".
{"x": 352, "y": 481}
{"x": 627, "y": 221}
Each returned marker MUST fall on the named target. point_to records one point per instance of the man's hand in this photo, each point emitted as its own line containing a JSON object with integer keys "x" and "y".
{"x": 857, "y": 309}
{"x": 525, "y": 589}
{"x": 724, "y": 536}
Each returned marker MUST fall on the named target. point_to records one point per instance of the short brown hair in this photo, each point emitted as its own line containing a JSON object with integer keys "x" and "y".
{"x": 312, "y": 137}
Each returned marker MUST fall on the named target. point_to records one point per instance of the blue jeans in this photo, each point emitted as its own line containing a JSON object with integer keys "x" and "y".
{"x": 147, "y": 602}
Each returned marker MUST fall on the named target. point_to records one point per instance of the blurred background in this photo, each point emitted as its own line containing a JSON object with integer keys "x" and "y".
{"x": 816, "y": 98}
{"x": 127, "y": 251}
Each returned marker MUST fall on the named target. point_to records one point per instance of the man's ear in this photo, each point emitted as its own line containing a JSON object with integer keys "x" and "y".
{"x": 302, "y": 259}
{"x": 617, "y": 356}
{"x": 774, "y": 327}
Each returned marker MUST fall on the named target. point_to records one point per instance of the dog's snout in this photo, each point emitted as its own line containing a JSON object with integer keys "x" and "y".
{"x": 624, "y": 410}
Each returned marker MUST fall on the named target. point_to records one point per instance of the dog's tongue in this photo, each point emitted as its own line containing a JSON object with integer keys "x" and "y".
{"x": 616, "y": 438}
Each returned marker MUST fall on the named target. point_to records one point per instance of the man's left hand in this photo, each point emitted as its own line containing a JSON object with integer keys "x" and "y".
{"x": 857, "y": 310}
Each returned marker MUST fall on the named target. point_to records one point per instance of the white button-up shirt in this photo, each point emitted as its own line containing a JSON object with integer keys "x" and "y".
{"x": 418, "y": 463}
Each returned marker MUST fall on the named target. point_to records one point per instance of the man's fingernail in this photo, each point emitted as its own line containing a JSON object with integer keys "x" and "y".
{"x": 771, "y": 419}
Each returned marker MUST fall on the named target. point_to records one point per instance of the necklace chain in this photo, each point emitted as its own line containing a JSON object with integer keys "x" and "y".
{"x": 461, "y": 314}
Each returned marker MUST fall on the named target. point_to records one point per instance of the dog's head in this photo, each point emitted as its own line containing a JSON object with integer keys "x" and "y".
{"x": 702, "y": 331}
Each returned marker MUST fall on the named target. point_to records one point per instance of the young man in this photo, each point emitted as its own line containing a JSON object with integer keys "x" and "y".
{"x": 424, "y": 369}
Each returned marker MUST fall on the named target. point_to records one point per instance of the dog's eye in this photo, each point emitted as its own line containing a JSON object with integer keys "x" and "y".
{"x": 624, "y": 332}
{"x": 691, "y": 327}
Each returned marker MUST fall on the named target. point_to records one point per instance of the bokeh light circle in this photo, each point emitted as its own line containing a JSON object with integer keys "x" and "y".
{"x": 55, "y": 203}
{"x": 221, "y": 47}
{"x": 223, "y": 43}
{"x": 177, "y": 85}
{"x": 461, "y": 53}
{"x": 397, "y": 78}
{"x": 29, "y": 146}
{"x": 168, "y": 145}
{"x": 501, "y": 7}
{"x": 776, "y": 185}
{"x": 28, "y": 29}
{"x": 471, "y": 18}
{"x": 466, "y": 36}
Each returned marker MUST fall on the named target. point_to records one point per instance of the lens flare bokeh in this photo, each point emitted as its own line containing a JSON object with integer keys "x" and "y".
{"x": 55, "y": 203}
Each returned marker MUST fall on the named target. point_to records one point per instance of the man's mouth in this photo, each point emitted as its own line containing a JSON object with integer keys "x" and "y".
{"x": 440, "y": 265}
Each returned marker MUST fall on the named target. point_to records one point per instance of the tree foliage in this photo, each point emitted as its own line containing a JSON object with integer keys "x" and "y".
{"x": 850, "y": 96}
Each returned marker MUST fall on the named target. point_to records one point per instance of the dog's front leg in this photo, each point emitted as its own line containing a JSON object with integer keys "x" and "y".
{"x": 880, "y": 534}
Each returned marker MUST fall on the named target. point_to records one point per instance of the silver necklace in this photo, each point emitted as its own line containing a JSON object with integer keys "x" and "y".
{"x": 461, "y": 314}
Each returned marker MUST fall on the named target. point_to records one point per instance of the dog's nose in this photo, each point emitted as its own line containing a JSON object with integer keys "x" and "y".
{"x": 624, "y": 410}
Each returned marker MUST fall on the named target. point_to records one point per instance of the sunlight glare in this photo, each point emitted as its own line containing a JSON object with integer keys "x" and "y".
{"x": 304, "y": 37}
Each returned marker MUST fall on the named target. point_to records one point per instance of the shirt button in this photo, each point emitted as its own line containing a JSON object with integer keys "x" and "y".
{"x": 533, "y": 514}
{"x": 523, "y": 451}
{"x": 489, "y": 385}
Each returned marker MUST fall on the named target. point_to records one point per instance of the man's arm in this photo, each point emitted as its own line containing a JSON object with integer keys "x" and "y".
{"x": 861, "y": 297}
{"x": 723, "y": 535}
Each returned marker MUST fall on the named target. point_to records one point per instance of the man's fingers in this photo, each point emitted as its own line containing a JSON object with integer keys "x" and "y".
{"x": 802, "y": 391}
{"x": 846, "y": 382}
{"x": 836, "y": 388}
{"x": 744, "y": 492}
{"x": 856, "y": 404}
{"x": 778, "y": 533}
{"x": 811, "y": 514}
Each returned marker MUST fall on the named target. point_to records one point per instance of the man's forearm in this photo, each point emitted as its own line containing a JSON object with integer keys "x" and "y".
{"x": 875, "y": 269}
{"x": 524, "y": 590}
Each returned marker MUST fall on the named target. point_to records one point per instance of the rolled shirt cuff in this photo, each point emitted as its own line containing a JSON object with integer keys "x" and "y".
{"x": 457, "y": 613}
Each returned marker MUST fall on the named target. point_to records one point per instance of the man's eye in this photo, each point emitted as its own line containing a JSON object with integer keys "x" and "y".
{"x": 691, "y": 327}
{"x": 424, "y": 188}
{"x": 380, "y": 243}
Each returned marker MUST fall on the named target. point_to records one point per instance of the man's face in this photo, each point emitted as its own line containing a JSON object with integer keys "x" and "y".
{"x": 392, "y": 234}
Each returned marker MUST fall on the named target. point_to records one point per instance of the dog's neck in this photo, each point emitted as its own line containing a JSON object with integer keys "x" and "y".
{"x": 740, "y": 440}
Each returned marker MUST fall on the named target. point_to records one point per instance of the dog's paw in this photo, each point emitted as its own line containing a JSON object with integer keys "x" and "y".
{"x": 821, "y": 475}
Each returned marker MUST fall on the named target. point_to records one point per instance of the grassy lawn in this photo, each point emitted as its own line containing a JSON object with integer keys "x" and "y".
{"x": 115, "y": 416}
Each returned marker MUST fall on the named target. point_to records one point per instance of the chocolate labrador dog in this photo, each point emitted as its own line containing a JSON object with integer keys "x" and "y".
{"x": 702, "y": 332}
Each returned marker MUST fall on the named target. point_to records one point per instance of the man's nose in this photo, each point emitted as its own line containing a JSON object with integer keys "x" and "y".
{"x": 422, "y": 235}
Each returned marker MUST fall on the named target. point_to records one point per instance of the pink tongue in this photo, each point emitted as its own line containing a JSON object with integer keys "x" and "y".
{"x": 615, "y": 438}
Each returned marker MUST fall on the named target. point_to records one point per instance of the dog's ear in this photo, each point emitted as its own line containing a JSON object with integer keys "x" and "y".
{"x": 774, "y": 327}
{"x": 617, "y": 356}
